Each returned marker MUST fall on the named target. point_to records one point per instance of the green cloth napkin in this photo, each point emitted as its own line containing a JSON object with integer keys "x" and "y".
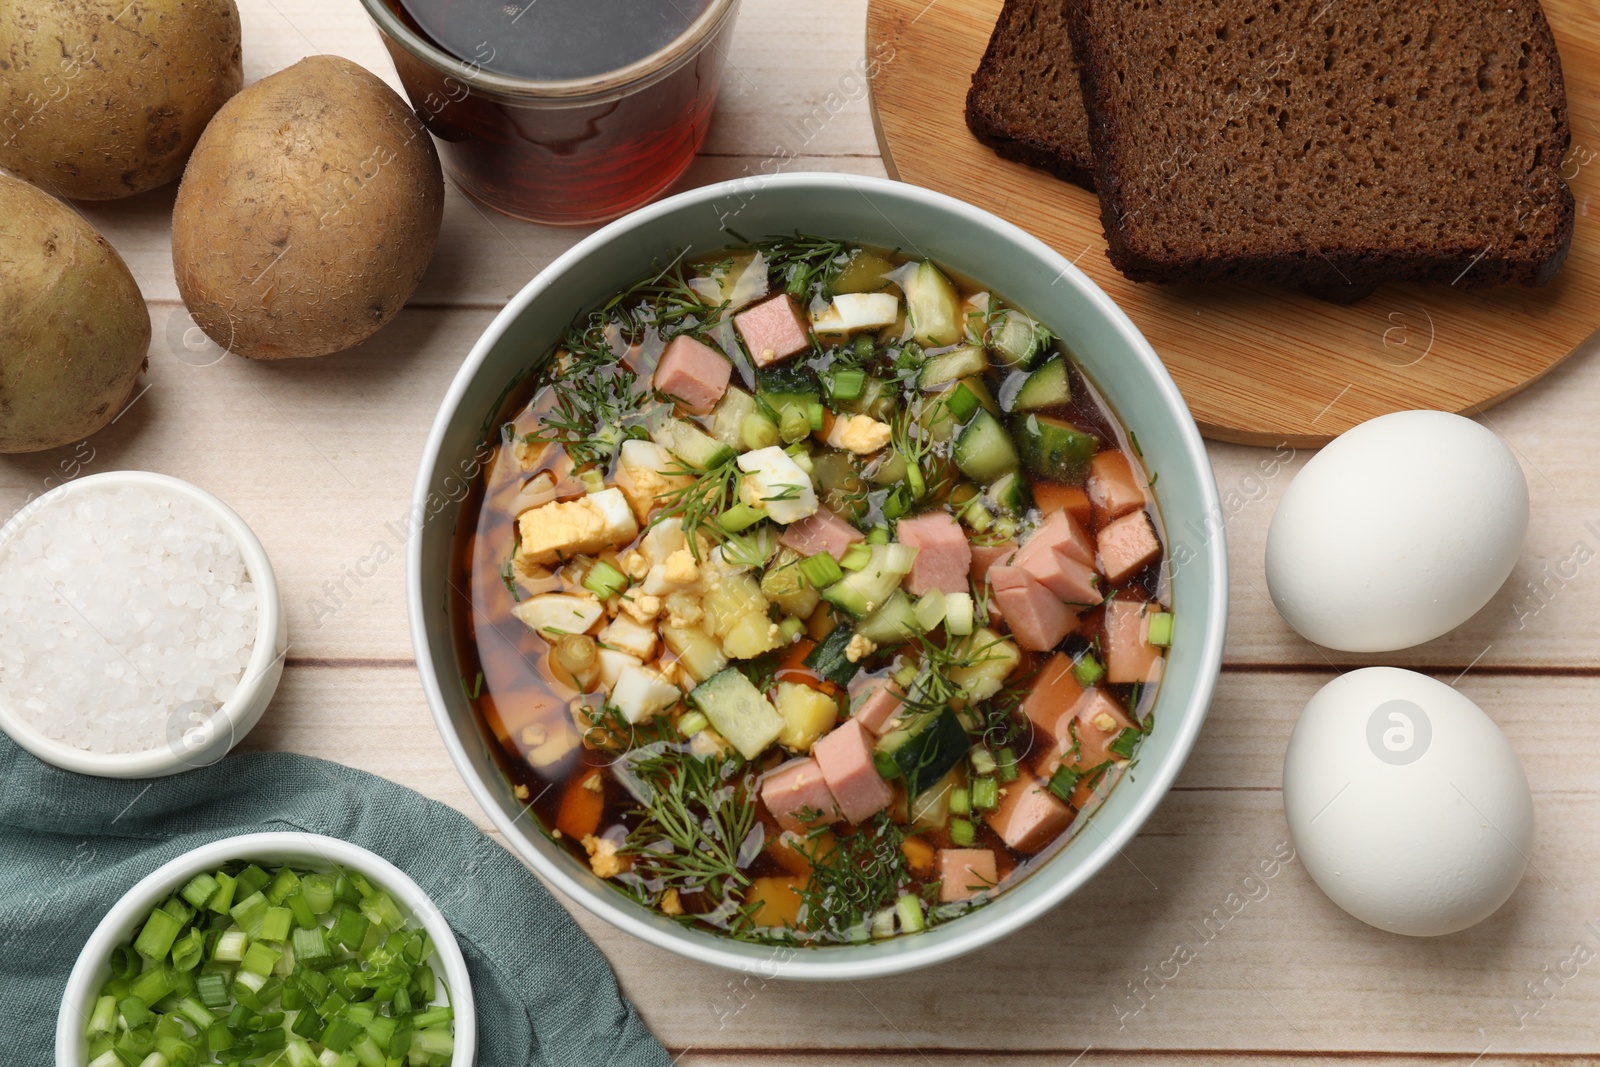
{"x": 71, "y": 846}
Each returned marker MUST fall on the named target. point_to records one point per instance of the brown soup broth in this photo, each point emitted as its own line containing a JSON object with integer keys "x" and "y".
{"x": 523, "y": 697}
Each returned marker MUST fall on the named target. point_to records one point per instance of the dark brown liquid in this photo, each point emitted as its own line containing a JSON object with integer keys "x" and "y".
{"x": 551, "y": 40}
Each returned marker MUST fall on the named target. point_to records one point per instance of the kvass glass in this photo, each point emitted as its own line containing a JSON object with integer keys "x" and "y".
{"x": 533, "y": 113}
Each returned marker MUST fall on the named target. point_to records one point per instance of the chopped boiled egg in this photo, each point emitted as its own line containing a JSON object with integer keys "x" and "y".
{"x": 625, "y": 635}
{"x": 554, "y": 615}
{"x": 676, "y": 573}
{"x": 641, "y": 693}
{"x": 644, "y": 475}
{"x": 850, "y": 312}
{"x": 859, "y": 433}
{"x": 662, "y": 540}
{"x": 774, "y": 481}
{"x": 559, "y": 530}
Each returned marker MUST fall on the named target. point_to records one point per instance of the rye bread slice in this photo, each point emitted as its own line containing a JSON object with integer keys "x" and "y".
{"x": 1026, "y": 101}
{"x": 1330, "y": 144}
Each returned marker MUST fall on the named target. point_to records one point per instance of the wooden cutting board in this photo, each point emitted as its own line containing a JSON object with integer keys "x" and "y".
{"x": 1258, "y": 365}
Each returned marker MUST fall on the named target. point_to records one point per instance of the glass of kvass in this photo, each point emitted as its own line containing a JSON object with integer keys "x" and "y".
{"x": 563, "y": 112}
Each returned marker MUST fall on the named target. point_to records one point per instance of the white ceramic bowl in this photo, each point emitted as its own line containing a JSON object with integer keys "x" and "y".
{"x": 975, "y": 243}
{"x": 188, "y": 747}
{"x": 305, "y": 851}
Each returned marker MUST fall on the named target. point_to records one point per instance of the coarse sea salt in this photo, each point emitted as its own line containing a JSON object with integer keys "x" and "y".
{"x": 127, "y": 616}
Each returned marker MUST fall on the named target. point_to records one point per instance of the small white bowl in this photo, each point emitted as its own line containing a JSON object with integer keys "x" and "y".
{"x": 197, "y": 746}
{"x": 306, "y": 851}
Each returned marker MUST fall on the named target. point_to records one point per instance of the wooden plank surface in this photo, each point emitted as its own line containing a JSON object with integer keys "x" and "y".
{"x": 1256, "y": 363}
{"x": 319, "y": 457}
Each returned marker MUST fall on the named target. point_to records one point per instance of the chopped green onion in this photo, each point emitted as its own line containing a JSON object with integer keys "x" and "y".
{"x": 212, "y": 989}
{"x": 895, "y": 505}
{"x": 958, "y": 610}
{"x": 960, "y": 801}
{"x": 985, "y": 794}
{"x": 318, "y": 890}
{"x": 909, "y": 907}
{"x": 1063, "y": 781}
{"x": 885, "y": 764}
{"x": 283, "y": 883}
{"x": 230, "y": 946}
{"x": 303, "y": 915}
{"x": 160, "y": 930}
{"x": 350, "y": 929}
{"x": 108, "y": 1058}
{"x": 222, "y": 900}
{"x": 1159, "y": 633}
{"x": 188, "y": 949}
{"x": 134, "y": 1011}
{"x": 962, "y": 403}
{"x": 1006, "y": 764}
{"x": 604, "y": 580}
{"x": 883, "y": 923}
{"x": 260, "y": 958}
{"x": 815, "y": 414}
{"x": 915, "y": 484}
{"x": 899, "y": 558}
{"x": 125, "y": 963}
{"x": 199, "y": 889}
{"x": 593, "y": 481}
{"x": 855, "y": 557}
{"x": 251, "y": 879}
{"x": 340, "y": 1034}
{"x": 977, "y": 516}
{"x": 801, "y": 456}
{"x": 740, "y": 517}
{"x": 821, "y": 570}
{"x": 692, "y": 723}
{"x": 310, "y": 946}
{"x": 1087, "y": 670}
{"x": 275, "y": 924}
{"x": 1123, "y": 746}
{"x": 878, "y": 535}
{"x": 154, "y": 984}
{"x": 250, "y": 912}
{"x": 794, "y": 424}
{"x": 104, "y": 1017}
{"x": 962, "y": 833}
{"x": 757, "y": 431}
{"x": 218, "y": 1037}
{"x": 791, "y": 628}
{"x": 432, "y": 1042}
{"x": 847, "y": 384}
{"x": 195, "y": 1012}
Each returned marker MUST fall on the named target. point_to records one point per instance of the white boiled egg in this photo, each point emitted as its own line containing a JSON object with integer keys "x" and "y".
{"x": 1397, "y": 532}
{"x": 1406, "y": 803}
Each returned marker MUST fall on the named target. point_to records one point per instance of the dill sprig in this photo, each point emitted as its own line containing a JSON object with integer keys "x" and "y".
{"x": 598, "y": 401}
{"x": 860, "y": 873}
{"x": 802, "y": 263}
{"x": 697, "y": 830}
{"x": 665, "y": 302}
{"x": 710, "y": 492}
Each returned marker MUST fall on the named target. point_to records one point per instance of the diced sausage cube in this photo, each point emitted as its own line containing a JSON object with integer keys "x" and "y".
{"x": 986, "y": 556}
{"x": 944, "y": 556}
{"x": 1052, "y": 496}
{"x": 1036, "y": 617}
{"x": 1029, "y": 816}
{"x": 877, "y": 704}
{"x": 1129, "y": 656}
{"x": 1055, "y": 692}
{"x": 845, "y": 756}
{"x": 773, "y": 330}
{"x": 694, "y": 372}
{"x": 1062, "y": 533}
{"x": 1073, "y": 582}
{"x": 1112, "y": 486}
{"x": 1127, "y": 546}
{"x": 822, "y": 531}
{"x": 965, "y": 872}
{"x": 1083, "y": 738}
{"x": 798, "y": 788}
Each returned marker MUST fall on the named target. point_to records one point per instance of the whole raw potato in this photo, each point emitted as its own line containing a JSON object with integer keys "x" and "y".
{"x": 307, "y": 214}
{"x": 74, "y": 330}
{"x": 106, "y": 98}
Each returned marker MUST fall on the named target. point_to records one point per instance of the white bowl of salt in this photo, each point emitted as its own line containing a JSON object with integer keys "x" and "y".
{"x": 141, "y": 632}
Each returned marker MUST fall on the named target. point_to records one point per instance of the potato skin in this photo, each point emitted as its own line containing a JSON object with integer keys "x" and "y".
{"x": 101, "y": 99}
{"x": 74, "y": 329}
{"x": 307, "y": 214}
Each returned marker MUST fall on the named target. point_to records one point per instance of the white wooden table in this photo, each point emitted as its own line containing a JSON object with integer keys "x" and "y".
{"x": 319, "y": 457}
